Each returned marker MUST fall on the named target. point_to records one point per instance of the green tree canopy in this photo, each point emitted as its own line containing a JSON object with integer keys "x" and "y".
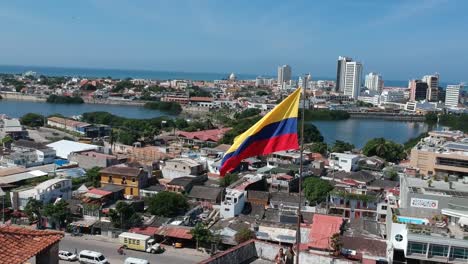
{"x": 247, "y": 113}
{"x": 319, "y": 147}
{"x": 341, "y": 146}
{"x": 228, "y": 179}
{"x": 93, "y": 177}
{"x": 124, "y": 216}
{"x": 167, "y": 204}
{"x": 431, "y": 117}
{"x": 201, "y": 234}
{"x": 32, "y": 120}
{"x": 33, "y": 210}
{"x": 58, "y": 212}
{"x": 316, "y": 189}
{"x": 311, "y": 133}
{"x": 385, "y": 149}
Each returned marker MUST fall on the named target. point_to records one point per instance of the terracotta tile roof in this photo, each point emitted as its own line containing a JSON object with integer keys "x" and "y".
{"x": 213, "y": 135}
{"x": 17, "y": 245}
{"x": 147, "y": 230}
{"x": 323, "y": 228}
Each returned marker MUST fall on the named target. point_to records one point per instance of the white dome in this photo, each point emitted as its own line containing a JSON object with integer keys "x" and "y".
{"x": 232, "y": 76}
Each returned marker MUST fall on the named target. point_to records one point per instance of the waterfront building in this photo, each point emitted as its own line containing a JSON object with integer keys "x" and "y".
{"x": 284, "y": 75}
{"x": 418, "y": 90}
{"x": 393, "y": 96}
{"x": 432, "y": 82}
{"x": 430, "y": 225}
{"x": 442, "y": 154}
{"x": 374, "y": 82}
{"x": 352, "y": 84}
{"x": 452, "y": 95}
{"x": 341, "y": 72}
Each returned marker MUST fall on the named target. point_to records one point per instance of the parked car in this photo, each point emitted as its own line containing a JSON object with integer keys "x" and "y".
{"x": 131, "y": 260}
{"x": 92, "y": 257}
{"x": 67, "y": 255}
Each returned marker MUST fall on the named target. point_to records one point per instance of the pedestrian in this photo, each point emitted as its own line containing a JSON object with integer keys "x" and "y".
{"x": 289, "y": 256}
{"x": 279, "y": 259}
{"x": 76, "y": 251}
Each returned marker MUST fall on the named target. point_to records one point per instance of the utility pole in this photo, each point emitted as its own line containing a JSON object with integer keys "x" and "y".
{"x": 301, "y": 171}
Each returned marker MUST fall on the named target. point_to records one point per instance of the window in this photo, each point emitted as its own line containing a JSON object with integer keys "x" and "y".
{"x": 235, "y": 200}
{"x": 459, "y": 253}
{"x": 124, "y": 180}
{"x": 131, "y": 191}
{"x": 399, "y": 238}
{"x": 417, "y": 248}
{"x": 110, "y": 178}
{"x": 133, "y": 179}
{"x": 184, "y": 168}
{"x": 438, "y": 250}
{"x": 175, "y": 166}
{"x": 384, "y": 207}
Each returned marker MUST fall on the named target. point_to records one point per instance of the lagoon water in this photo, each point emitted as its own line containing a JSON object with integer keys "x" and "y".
{"x": 356, "y": 131}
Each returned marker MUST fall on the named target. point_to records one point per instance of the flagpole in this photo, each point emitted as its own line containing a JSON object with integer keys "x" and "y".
{"x": 301, "y": 171}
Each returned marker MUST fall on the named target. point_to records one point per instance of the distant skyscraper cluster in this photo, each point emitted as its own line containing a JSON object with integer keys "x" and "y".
{"x": 348, "y": 77}
{"x": 452, "y": 95}
{"x": 425, "y": 89}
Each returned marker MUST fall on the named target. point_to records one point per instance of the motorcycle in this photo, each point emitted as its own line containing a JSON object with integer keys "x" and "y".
{"x": 120, "y": 251}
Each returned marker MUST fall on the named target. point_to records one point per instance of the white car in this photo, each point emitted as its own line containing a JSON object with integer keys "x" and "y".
{"x": 66, "y": 255}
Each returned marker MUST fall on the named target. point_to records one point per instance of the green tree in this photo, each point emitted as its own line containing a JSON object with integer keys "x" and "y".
{"x": 316, "y": 189}
{"x": 261, "y": 93}
{"x": 247, "y": 113}
{"x": 33, "y": 210}
{"x": 167, "y": 204}
{"x": 335, "y": 243}
{"x": 311, "y": 133}
{"x": 58, "y": 212}
{"x": 392, "y": 174}
{"x": 243, "y": 235}
{"x": 431, "y": 117}
{"x": 201, "y": 234}
{"x": 319, "y": 147}
{"x": 341, "y": 146}
{"x": 228, "y": 179}
{"x": 6, "y": 141}
{"x": 385, "y": 149}
{"x": 124, "y": 216}
{"x": 93, "y": 177}
{"x": 32, "y": 120}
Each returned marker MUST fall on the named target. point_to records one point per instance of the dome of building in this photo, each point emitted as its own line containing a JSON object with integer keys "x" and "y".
{"x": 232, "y": 77}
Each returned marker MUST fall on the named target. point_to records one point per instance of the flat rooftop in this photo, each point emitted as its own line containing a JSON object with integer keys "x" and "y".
{"x": 441, "y": 188}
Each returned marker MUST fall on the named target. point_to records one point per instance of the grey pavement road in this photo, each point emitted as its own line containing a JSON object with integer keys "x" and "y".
{"x": 109, "y": 250}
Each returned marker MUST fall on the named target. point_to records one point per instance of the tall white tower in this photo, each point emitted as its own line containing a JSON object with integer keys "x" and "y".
{"x": 284, "y": 75}
{"x": 352, "y": 84}
{"x": 374, "y": 82}
{"x": 452, "y": 95}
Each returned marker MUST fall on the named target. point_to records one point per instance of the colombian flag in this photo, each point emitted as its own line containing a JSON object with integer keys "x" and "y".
{"x": 276, "y": 131}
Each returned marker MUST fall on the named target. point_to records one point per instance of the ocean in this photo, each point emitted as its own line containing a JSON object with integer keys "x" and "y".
{"x": 148, "y": 74}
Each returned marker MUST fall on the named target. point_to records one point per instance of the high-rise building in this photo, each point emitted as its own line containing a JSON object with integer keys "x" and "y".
{"x": 284, "y": 75}
{"x": 352, "y": 83}
{"x": 432, "y": 87}
{"x": 374, "y": 82}
{"x": 452, "y": 95}
{"x": 418, "y": 90}
{"x": 340, "y": 73}
{"x": 304, "y": 82}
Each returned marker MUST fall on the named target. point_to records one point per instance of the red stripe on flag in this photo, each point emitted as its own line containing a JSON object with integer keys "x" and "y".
{"x": 262, "y": 147}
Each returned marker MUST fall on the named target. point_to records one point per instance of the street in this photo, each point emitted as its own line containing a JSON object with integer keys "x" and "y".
{"x": 109, "y": 250}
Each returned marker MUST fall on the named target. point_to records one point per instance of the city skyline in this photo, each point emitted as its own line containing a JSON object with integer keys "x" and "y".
{"x": 239, "y": 37}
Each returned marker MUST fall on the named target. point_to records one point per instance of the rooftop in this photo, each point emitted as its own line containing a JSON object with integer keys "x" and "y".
{"x": 29, "y": 144}
{"x": 68, "y": 122}
{"x": 441, "y": 188}
{"x": 18, "y": 245}
{"x": 205, "y": 135}
{"x": 323, "y": 228}
{"x": 65, "y": 147}
{"x": 123, "y": 171}
{"x": 204, "y": 192}
{"x": 185, "y": 161}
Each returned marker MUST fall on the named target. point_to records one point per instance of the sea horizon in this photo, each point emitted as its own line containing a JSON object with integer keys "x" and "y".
{"x": 56, "y": 71}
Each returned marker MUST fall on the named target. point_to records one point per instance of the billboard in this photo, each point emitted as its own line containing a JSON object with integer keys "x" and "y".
{"x": 424, "y": 203}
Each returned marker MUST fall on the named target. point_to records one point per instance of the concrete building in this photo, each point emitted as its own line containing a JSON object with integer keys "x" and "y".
{"x": 432, "y": 82}
{"x": 284, "y": 75}
{"x": 442, "y": 154}
{"x": 12, "y": 127}
{"x": 233, "y": 204}
{"x": 452, "y": 95}
{"x": 263, "y": 81}
{"x": 64, "y": 147}
{"x": 181, "y": 167}
{"x": 352, "y": 83}
{"x": 418, "y": 90}
{"x": 343, "y": 161}
{"x": 393, "y": 96}
{"x": 89, "y": 159}
{"x": 374, "y": 82}
{"x": 46, "y": 192}
{"x": 341, "y": 72}
{"x": 132, "y": 179}
{"x": 28, "y": 153}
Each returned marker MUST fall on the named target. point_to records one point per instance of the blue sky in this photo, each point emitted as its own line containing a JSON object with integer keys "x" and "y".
{"x": 400, "y": 39}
